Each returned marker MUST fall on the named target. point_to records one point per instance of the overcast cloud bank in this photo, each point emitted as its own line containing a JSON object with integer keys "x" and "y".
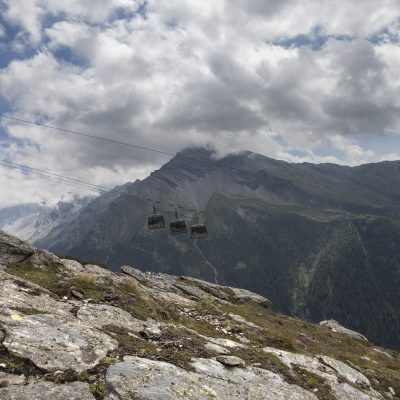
{"x": 294, "y": 80}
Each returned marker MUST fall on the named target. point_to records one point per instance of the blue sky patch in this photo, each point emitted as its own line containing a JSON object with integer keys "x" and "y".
{"x": 316, "y": 39}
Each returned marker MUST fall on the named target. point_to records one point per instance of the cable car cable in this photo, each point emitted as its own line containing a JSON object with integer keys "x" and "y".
{"x": 53, "y": 174}
{"x": 260, "y": 172}
{"x": 53, "y": 179}
{"x": 87, "y": 135}
{"x": 73, "y": 182}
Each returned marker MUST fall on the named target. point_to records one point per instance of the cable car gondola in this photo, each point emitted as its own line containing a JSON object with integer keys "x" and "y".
{"x": 177, "y": 226}
{"x": 199, "y": 230}
{"x": 155, "y": 221}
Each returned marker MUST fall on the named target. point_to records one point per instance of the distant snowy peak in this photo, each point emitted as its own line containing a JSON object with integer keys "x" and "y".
{"x": 21, "y": 220}
{"x": 34, "y": 221}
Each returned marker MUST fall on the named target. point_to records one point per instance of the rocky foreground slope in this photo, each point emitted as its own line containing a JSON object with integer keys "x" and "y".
{"x": 73, "y": 331}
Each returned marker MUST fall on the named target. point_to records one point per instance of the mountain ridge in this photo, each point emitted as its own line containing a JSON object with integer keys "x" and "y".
{"x": 269, "y": 222}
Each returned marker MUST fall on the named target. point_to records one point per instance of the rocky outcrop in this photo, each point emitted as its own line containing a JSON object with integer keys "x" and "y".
{"x": 153, "y": 336}
{"x": 14, "y": 250}
{"x": 47, "y": 391}
{"x": 11, "y": 379}
{"x": 152, "y": 380}
{"x": 342, "y": 378}
{"x": 194, "y": 288}
{"x": 55, "y": 342}
{"x": 334, "y": 326}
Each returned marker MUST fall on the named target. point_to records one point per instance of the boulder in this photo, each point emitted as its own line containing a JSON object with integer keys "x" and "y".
{"x": 100, "y": 315}
{"x": 13, "y": 250}
{"x": 97, "y": 270}
{"x": 135, "y": 273}
{"x": 241, "y": 320}
{"x": 156, "y": 380}
{"x": 216, "y": 349}
{"x": 76, "y": 294}
{"x": 243, "y": 295}
{"x": 334, "y": 326}
{"x": 73, "y": 266}
{"x": 230, "y": 361}
{"x": 11, "y": 379}
{"x": 337, "y": 374}
{"x": 47, "y": 391}
{"x": 16, "y": 293}
{"x": 54, "y": 342}
{"x": 150, "y": 332}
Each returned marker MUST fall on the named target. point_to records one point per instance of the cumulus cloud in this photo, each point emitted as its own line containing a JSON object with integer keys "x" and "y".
{"x": 227, "y": 75}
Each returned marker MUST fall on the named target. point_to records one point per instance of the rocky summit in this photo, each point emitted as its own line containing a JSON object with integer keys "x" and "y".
{"x": 74, "y": 331}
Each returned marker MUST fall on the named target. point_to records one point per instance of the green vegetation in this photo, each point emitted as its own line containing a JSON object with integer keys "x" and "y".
{"x": 87, "y": 285}
{"x": 98, "y": 389}
{"x": 17, "y": 365}
{"x": 174, "y": 346}
{"x": 28, "y": 311}
{"x": 312, "y": 339}
{"x": 50, "y": 277}
{"x": 312, "y": 382}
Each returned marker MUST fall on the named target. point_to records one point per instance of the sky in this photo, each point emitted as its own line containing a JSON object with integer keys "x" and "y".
{"x": 308, "y": 80}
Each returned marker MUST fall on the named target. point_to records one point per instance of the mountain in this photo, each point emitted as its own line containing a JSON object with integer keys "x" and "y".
{"x": 81, "y": 332}
{"x": 321, "y": 241}
{"x": 20, "y": 220}
{"x": 33, "y": 221}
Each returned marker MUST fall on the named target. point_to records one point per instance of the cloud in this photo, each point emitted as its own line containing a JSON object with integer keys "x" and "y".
{"x": 174, "y": 74}
{"x": 32, "y": 15}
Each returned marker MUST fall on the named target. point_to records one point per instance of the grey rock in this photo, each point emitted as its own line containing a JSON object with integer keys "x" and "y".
{"x": 344, "y": 391}
{"x": 192, "y": 291}
{"x": 13, "y": 250}
{"x": 231, "y": 361}
{"x": 73, "y": 265}
{"x": 216, "y": 349}
{"x": 244, "y": 295}
{"x": 100, "y": 315}
{"x": 76, "y": 294}
{"x": 194, "y": 288}
{"x": 150, "y": 332}
{"x": 383, "y": 352}
{"x": 97, "y": 271}
{"x": 47, "y": 391}
{"x": 135, "y": 273}
{"x": 241, "y": 320}
{"x": 172, "y": 297}
{"x": 227, "y": 343}
{"x": 13, "y": 295}
{"x": 336, "y": 374}
{"x": 157, "y": 380}
{"x": 56, "y": 342}
{"x": 334, "y": 326}
{"x": 10, "y": 379}
{"x": 215, "y": 290}
{"x": 44, "y": 257}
